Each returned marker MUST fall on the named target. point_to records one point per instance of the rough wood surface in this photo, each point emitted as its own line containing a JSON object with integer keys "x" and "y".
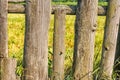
{"x": 3, "y": 29}
{"x": 85, "y": 27}
{"x": 16, "y": 1}
{"x": 117, "y": 56}
{"x": 36, "y": 40}
{"x": 18, "y": 78}
{"x": 110, "y": 39}
{"x": 16, "y": 8}
{"x": 21, "y": 0}
{"x": 8, "y": 69}
{"x": 71, "y": 10}
{"x": 59, "y": 44}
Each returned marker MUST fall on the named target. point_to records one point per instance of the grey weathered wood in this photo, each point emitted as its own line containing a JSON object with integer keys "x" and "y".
{"x": 102, "y": 10}
{"x": 21, "y": 0}
{"x": 8, "y": 69}
{"x": 59, "y": 44}
{"x": 16, "y": 8}
{"x": 7, "y": 65}
{"x": 71, "y": 10}
{"x": 3, "y": 29}
{"x": 16, "y": 1}
{"x": 117, "y": 56}
{"x": 110, "y": 39}
{"x": 18, "y": 78}
{"x": 36, "y": 40}
{"x": 85, "y": 27}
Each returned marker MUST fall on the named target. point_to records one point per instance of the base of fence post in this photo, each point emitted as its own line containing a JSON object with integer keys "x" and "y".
{"x": 7, "y": 69}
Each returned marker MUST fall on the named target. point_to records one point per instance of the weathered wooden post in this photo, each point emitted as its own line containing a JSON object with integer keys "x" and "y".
{"x": 3, "y": 29}
{"x": 85, "y": 27}
{"x": 110, "y": 39}
{"x": 3, "y": 33}
{"x": 7, "y": 65}
{"x": 59, "y": 44}
{"x": 117, "y": 55}
{"x": 36, "y": 40}
{"x": 8, "y": 69}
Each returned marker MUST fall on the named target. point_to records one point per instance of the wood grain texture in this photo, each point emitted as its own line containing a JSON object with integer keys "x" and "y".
{"x": 3, "y": 29}
{"x": 85, "y": 27}
{"x": 12, "y": 1}
{"x": 21, "y": 0}
{"x": 36, "y": 40}
{"x": 8, "y": 69}
{"x": 117, "y": 55}
{"x": 110, "y": 39}
{"x": 59, "y": 44}
{"x": 16, "y": 8}
{"x": 70, "y": 10}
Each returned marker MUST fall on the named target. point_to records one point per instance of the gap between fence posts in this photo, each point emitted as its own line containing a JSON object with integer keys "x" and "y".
{"x": 59, "y": 44}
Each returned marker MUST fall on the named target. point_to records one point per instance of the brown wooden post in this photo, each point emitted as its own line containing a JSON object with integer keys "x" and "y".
{"x": 59, "y": 44}
{"x": 110, "y": 39}
{"x": 36, "y": 40}
{"x": 117, "y": 56}
{"x": 8, "y": 69}
{"x": 3, "y": 29}
{"x": 3, "y": 33}
{"x": 18, "y": 77}
{"x": 7, "y": 65}
{"x": 85, "y": 27}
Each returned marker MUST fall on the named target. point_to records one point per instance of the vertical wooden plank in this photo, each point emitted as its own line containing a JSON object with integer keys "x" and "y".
{"x": 59, "y": 44}
{"x": 36, "y": 40}
{"x": 8, "y": 69}
{"x": 85, "y": 27}
{"x": 3, "y": 29}
{"x": 3, "y": 34}
{"x": 110, "y": 39}
{"x": 117, "y": 55}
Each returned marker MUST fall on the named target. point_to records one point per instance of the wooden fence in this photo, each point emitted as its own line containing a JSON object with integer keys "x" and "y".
{"x": 35, "y": 47}
{"x": 70, "y": 10}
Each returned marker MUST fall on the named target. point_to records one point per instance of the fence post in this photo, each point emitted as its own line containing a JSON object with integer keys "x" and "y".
{"x": 110, "y": 39}
{"x": 3, "y": 29}
{"x": 7, "y": 65}
{"x": 85, "y": 27}
{"x": 117, "y": 55}
{"x": 8, "y": 69}
{"x": 36, "y": 40}
{"x": 59, "y": 44}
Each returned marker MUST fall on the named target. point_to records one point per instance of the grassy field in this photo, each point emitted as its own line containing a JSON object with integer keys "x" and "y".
{"x": 16, "y": 28}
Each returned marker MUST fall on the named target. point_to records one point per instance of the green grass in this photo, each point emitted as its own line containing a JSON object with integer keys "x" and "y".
{"x": 103, "y": 3}
{"x": 75, "y": 3}
{"x": 64, "y": 3}
{"x": 16, "y": 30}
{"x": 16, "y": 27}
